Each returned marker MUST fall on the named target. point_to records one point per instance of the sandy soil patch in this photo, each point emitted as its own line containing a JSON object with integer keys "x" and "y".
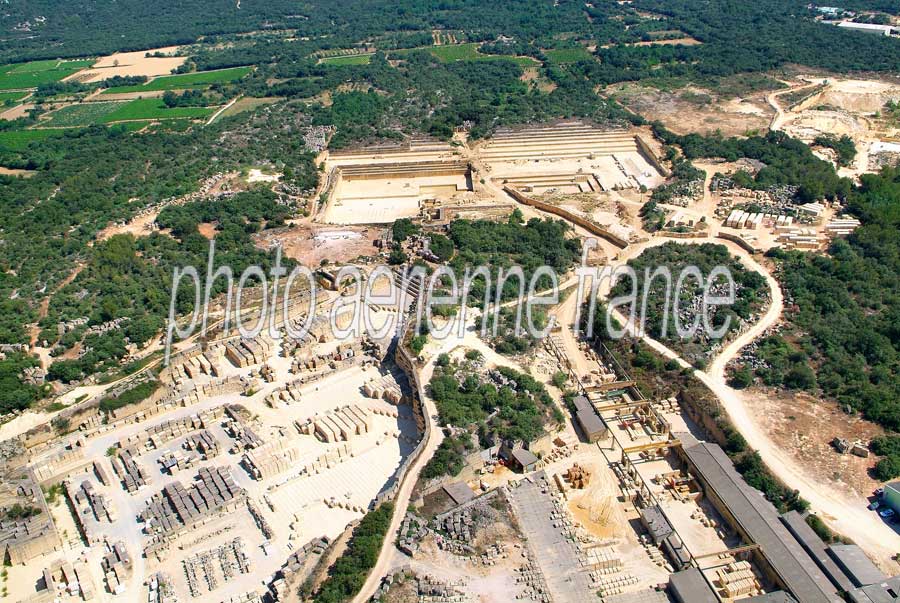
{"x": 131, "y": 64}
{"x": 12, "y": 172}
{"x": 256, "y": 175}
{"x": 685, "y": 41}
{"x": 596, "y": 507}
{"x": 806, "y": 426}
{"x": 864, "y": 96}
{"x": 140, "y": 226}
{"x": 127, "y": 96}
{"x": 17, "y": 111}
{"x": 310, "y": 245}
{"x": 734, "y": 117}
{"x": 857, "y": 96}
{"x": 809, "y": 124}
{"x": 207, "y": 229}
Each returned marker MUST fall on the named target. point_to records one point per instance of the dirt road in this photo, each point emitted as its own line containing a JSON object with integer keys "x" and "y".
{"x": 404, "y": 493}
{"x": 842, "y": 512}
{"x": 772, "y": 99}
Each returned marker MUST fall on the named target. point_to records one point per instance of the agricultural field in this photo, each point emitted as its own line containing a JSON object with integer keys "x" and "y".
{"x": 351, "y": 59}
{"x": 248, "y": 103}
{"x": 12, "y": 96}
{"x": 142, "y": 109}
{"x": 568, "y": 55}
{"x": 154, "y": 108}
{"x": 82, "y": 114}
{"x": 200, "y": 79}
{"x": 18, "y": 140}
{"x": 31, "y": 75}
{"x": 469, "y": 52}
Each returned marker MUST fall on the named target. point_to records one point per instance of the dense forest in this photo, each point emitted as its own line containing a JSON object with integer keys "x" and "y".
{"x": 737, "y": 36}
{"x": 129, "y": 277}
{"x": 843, "y": 312}
{"x": 530, "y": 245}
{"x": 848, "y": 304}
{"x": 87, "y": 178}
{"x": 506, "y": 405}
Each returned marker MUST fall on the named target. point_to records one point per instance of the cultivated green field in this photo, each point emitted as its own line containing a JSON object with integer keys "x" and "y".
{"x": 154, "y": 108}
{"x": 82, "y": 114}
{"x": 144, "y": 109}
{"x": 469, "y": 52}
{"x": 18, "y": 140}
{"x": 201, "y": 79}
{"x": 50, "y": 65}
{"x": 13, "y": 96}
{"x": 35, "y": 73}
{"x": 351, "y": 59}
{"x": 568, "y": 55}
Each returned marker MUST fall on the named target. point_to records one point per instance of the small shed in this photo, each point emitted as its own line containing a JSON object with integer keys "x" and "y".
{"x": 591, "y": 425}
{"x": 525, "y": 460}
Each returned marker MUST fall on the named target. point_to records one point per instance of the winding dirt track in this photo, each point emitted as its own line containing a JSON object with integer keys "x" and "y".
{"x": 388, "y": 551}
{"x": 845, "y": 514}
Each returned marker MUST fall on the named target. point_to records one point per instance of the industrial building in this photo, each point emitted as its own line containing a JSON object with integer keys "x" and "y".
{"x": 891, "y": 496}
{"x": 870, "y": 28}
{"x": 689, "y": 586}
{"x": 780, "y": 556}
{"x": 592, "y": 426}
{"x": 883, "y": 592}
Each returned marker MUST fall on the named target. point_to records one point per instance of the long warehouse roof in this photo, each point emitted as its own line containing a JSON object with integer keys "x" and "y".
{"x": 760, "y": 521}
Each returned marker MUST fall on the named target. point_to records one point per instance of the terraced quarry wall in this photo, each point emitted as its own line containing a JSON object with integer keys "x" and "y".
{"x": 379, "y": 193}
{"x": 572, "y": 157}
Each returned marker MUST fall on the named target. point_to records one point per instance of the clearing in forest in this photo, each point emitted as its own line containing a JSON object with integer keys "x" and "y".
{"x": 568, "y": 55}
{"x": 469, "y": 52}
{"x": 350, "y": 59}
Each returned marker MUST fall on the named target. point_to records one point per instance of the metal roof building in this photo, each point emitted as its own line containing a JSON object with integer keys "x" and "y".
{"x": 883, "y": 592}
{"x": 593, "y": 426}
{"x": 689, "y": 586}
{"x": 872, "y": 28}
{"x": 582, "y": 403}
{"x": 776, "y": 597}
{"x": 817, "y": 549}
{"x": 758, "y": 521}
{"x": 525, "y": 459}
{"x": 856, "y": 565}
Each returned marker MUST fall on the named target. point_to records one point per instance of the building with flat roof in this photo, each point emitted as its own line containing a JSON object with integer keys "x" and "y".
{"x": 689, "y": 586}
{"x": 656, "y": 523}
{"x": 778, "y": 596}
{"x": 582, "y": 403}
{"x": 872, "y": 28}
{"x": 525, "y": 460}
{"x": 891, "y": 496}
{"x": 859, "y": 568}
{"x": 459, "y": 492}
{"x": 780, "y": 556}
{"x": 883, "y": 592}
{"x": 816, "y": 548}
{"x": 591, "y": 425}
